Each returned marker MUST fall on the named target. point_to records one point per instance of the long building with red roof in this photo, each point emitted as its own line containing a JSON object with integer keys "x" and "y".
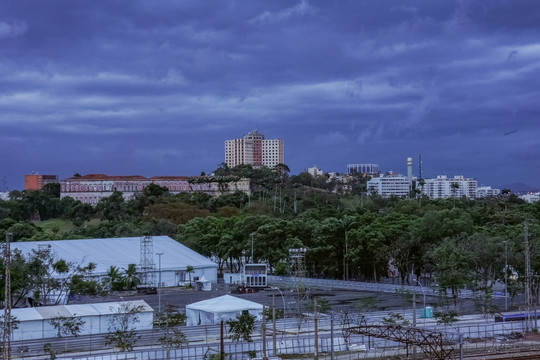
{"x": 93, "y": 187}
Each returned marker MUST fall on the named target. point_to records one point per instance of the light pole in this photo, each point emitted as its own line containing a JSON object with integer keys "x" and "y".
{"x": 159, "y": 281}
{"x": 282, "y": 298}
{"x": 424, "y": 294}
{"x": 505, "y": 275}
{"x": 251, "y": 247}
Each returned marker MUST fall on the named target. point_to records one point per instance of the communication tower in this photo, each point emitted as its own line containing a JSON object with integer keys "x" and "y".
{"x": 146, "y": 265}
{"x": 298, "y": 270}
{"x": 296, "y": 258}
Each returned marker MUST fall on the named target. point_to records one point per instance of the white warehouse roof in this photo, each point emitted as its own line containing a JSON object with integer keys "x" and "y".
{"x": 119, "y": 252}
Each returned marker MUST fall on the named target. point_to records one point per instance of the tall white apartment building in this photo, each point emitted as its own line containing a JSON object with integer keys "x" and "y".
{"x": 445, "y": 187}
{"x": 253, "y": 149}
{"x": 390, "y": 184}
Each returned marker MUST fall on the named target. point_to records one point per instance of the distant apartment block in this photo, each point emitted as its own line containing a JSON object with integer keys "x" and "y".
{"x": 388, "y": 185}
{"x": 93, "y": 187}
{"x": 487, "y": 191}
{"x": 445, "y": 187}
{"x": 253, "y": 149}
{"x": 366, "y": 169}
{"x": 315, "y": 171}
{"x": 531, "y": 198}
{"x": 37, "y": 181}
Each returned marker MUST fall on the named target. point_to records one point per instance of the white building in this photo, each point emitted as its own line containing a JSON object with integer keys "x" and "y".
{"x": 366, "y": 169}
{"x": 390, "y": 184}
{"x": 445, "y": 187}
{"x": 486, "y": 191}
{"x": 121, "y": 252}
{"x": 213, "y": 311}
{"x": 253, "y": 149}
{"x": 91, "y": 188}
{"x": 531, "y": 198}
{"x": 315, "y": 171}
{"x": 98, "y": 318}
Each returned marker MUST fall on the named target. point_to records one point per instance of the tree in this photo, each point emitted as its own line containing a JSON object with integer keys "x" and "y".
{"x": 113, "y": 280}
{"x": 168, "y": 321}
{"x": 454, "y": 187}
{"x": 8, "y": 326}
{"x": 242, "y": 327}
{"x": 129, "y": 280}
{"x": 451, "y": 267}
{"x": 67, "y": 326}
{"x": 190, "y": 269}
{"x": 122, "y": 334}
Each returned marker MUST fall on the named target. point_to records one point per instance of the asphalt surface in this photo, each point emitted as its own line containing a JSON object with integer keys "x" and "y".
{"x": 339, "y": 300}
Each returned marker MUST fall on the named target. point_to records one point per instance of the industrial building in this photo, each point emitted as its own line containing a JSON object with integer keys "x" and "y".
{"x": 151, "y": 255}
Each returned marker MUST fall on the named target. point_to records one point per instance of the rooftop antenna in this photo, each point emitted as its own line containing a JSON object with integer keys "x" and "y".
{"x": 420, "y": 166}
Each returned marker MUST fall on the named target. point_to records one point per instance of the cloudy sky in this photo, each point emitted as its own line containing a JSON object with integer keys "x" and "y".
{"x": 156, "y": 87}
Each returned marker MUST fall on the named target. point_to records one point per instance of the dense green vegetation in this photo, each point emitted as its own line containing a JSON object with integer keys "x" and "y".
{"x": 453, "y": 243}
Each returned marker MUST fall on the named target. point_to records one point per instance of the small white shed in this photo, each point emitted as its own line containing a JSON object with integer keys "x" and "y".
{"x": 213, "y": 311}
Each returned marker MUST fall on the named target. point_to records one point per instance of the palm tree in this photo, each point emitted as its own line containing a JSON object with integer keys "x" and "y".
{"x": 190, "y": 269}
{"x": 130, "y": 279}
{"x": 454, "y": 186}
{"x": 112, "y": 280}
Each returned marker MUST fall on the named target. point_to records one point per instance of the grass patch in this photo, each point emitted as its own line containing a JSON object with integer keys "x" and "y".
{"x": 56, "y": 225}
{"x": 62, "y": 226}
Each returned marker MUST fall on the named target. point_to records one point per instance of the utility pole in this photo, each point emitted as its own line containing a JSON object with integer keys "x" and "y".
{"x": 274, "y": 324}
{"x": 527, "y": 276}
{"x": 6, "y": 336}
{"x": 264, "y": 333}
{"x": 316, "y": 352}
{"x": 159, "y": 282}
{"x": 222, "y": 343}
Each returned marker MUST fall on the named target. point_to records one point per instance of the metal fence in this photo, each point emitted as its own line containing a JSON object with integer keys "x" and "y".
{"x": 478, "y": 338}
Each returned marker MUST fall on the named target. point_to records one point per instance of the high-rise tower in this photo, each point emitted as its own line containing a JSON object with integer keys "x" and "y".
{"x": 253, "y": 149}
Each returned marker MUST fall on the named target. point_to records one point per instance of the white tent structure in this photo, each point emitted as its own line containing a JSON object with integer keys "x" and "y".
{"x": 203, "y": 284}
{"x": 213, "y": 311}
{"x": 121, "y": 252}
{"x": 34, "y": 323}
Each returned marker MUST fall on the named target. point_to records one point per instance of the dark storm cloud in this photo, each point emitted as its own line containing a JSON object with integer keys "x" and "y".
{"x": 154, "y": 88}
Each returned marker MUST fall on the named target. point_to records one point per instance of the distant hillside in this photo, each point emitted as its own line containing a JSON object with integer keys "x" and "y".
{"x": 519, "y": 188}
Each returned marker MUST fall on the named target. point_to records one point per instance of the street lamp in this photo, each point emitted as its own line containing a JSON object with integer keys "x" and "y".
{"x": 424, "y": 294}
{"x": 159, "y": 281}
{"x": 505, "y": 275}
{"x": 282, "y": 298}
{"x": 251, "y": 247}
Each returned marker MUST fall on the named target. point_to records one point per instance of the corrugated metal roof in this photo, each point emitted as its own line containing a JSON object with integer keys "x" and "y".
{"x": 26, "y": 314}
{"x": 120, "y": 252}
{"x": 50, "y": 312}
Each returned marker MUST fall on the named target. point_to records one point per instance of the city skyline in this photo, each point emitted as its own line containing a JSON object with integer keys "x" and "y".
{"x": 131, "y": 89}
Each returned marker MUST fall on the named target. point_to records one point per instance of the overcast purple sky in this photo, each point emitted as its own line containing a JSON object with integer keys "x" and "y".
{"x": 156, "y": 87}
